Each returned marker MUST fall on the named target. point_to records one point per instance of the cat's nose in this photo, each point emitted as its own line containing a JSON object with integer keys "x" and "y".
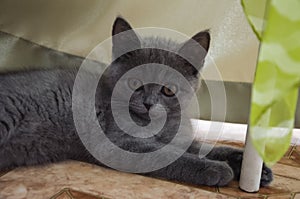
{"x": 148, "y": 106}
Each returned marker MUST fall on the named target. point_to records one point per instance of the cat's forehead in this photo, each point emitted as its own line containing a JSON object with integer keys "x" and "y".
{"x": 160, "y": 51}
{"x": 168, "y": 58}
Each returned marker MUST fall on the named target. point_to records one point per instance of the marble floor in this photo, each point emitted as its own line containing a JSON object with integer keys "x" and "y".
{"x": 77, "y": 180}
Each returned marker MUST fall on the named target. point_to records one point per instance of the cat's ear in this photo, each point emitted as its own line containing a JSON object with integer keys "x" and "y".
{"x": 128, "y": 39}
{"x": 196, "y": 48}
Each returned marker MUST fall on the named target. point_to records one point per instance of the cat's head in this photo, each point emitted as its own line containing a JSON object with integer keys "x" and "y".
{"x": 151, "y": 96}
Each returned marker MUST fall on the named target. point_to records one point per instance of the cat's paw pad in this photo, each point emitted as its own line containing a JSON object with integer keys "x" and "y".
{"x": 266, "y": 176}
{"x": 217, "y": 175}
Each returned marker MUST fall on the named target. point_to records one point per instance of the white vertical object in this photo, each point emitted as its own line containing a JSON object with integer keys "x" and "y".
{"x": 251, "y": 167}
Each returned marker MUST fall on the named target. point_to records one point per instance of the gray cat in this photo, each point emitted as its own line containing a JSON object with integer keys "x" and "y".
{"x": 37, "y": 126}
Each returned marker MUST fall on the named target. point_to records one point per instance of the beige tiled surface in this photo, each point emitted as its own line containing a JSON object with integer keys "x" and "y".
{"x": 297, "y": 195}
{"x": 69, "y": 193}
{"x": 44, "y": 182}
{"x": 76, "y": 180}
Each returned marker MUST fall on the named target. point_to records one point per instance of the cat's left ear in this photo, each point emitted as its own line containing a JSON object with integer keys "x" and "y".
{"x": 196, "y": 48}
{"x": 126, "y": 40}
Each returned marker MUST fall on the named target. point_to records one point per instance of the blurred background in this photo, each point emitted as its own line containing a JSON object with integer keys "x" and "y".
{"x": 76, "y": 27}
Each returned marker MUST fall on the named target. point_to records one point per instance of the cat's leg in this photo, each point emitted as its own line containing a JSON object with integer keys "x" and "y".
{"x": 34, "y": 148}
{"x": 234, "y": 157}
{"x": 26, "y": 150}
{"x": 189, "y": 168}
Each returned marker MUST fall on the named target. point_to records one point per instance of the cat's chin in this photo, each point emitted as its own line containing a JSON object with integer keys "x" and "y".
{"x": 144, "y": 119}
{"x": 141, "y": 118}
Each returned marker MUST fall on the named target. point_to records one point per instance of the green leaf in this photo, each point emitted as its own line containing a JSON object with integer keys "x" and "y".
{"x": 277, "y": 79}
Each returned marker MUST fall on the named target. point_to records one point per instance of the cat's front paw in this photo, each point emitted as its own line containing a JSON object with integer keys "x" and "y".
{"x": 235, "y": 161}
{"x": 266, "y": 176}
{"x": 216, "y": 174}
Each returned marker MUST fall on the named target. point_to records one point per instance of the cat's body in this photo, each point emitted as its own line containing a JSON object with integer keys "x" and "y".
{"x": 37, "y": 126}
{"x": 36, "y": 111}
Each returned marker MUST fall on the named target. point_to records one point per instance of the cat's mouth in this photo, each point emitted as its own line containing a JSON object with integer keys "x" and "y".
{"x": 138, "y": 109}
{"x": 141, "y": 113}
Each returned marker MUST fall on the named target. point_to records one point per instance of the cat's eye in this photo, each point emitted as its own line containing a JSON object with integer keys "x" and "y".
{"x": 134, "y": 83}
{"x": 169, "y": 90}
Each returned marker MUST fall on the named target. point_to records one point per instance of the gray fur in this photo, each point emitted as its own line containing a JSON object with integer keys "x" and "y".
{"x": 36, "y": 121}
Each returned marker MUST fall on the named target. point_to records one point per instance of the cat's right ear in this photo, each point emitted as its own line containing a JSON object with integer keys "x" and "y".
{"x": 125, "y": 41}
{"x": 195, "y": 49}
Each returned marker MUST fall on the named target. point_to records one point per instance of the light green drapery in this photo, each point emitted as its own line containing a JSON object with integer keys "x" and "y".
{"x": 277, "y": 79}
